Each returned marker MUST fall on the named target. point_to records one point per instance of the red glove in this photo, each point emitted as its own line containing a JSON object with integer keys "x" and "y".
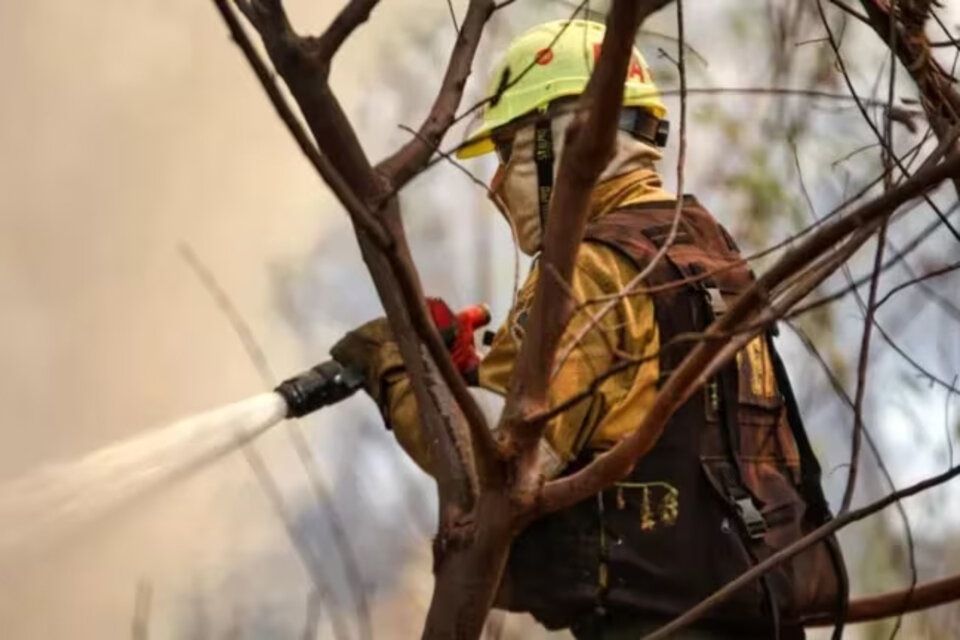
{"x": 457, "y": 333}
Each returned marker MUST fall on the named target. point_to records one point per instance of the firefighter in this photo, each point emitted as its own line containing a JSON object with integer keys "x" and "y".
{"x": 732, "y": 478}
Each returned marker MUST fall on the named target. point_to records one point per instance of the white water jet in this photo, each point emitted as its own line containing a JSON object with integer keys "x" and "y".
{"x": 45, "y": 504}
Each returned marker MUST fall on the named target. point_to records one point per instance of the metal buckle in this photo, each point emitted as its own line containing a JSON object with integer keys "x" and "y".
{"x": 717, "y": 303}
{"x": 751, "y": 518}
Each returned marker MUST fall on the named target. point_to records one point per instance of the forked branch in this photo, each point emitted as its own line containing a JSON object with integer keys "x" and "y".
{"x": 588, "y": 145}
{"x": 703, "y": 360}
{"x": 360, "y": 190}
{"x": 350, "y": 17}
{"x": 405, "y": 163}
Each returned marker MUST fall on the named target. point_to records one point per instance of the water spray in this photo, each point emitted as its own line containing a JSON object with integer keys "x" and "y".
{"x": 48, "y": 503}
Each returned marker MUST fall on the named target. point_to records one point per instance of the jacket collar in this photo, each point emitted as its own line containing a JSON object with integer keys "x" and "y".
{"x": 638, "y": 186}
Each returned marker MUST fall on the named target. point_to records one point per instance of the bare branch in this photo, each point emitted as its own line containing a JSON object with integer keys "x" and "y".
{"x": 923, "y": 596}
{"x": 862, "y": 372}
{"x": 350, "y": 17}
{"x": 939, "y": 98}
{"x": 411, "y": 158}
{"x": 588, "y": 144}
{"x": 942, "y": 131}
{"x": 950, "y": 268}
{"x": 703, "y": 360}
{"x": 322, "y": 495}
{"x": 391, "y": 266}
{"x": 697, "y": 612}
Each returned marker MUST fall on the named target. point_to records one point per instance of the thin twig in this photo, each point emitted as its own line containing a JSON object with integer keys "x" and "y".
{"x": 142, "y": 601}
{"x": 695, "y": 613}
{"x": 639, "y": 279}
{"x": 842, "y": 394}
{"x": 350, "y": 17}
{"x": 862, "y": 372}
{"x": 453, "y": 17}
{"x": 948, "y": 431}
{"x": 950, "y": 268}
{"x": 322, "y": 495}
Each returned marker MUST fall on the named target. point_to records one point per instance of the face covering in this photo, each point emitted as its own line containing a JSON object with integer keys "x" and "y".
{"x": 515, "y": 188}
{"x": 515, "y": 185}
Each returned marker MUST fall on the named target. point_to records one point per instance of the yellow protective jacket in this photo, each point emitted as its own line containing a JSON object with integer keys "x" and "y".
{"x": 628, "y": 331}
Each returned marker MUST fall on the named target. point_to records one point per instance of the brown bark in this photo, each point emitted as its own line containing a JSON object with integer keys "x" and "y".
{"x": 747, "y": 577}
{"x": 467, "y": 576}
{"x": 303, "y": 62}
{"x": 588, "y": 145}
{"x": 938, "y": 95}
{"x": 758, "y": 300}
{"x": 488, "y": 491}
{"x": 922, "y": 596}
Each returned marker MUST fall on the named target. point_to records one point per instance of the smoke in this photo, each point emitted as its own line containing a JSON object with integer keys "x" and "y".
{"x": 126, "y": 128}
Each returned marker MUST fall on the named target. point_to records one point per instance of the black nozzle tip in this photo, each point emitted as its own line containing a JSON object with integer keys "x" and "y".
{"x": 324, "y": 384}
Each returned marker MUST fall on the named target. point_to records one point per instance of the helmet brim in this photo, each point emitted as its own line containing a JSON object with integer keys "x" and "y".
{"x": 478, "y": 145}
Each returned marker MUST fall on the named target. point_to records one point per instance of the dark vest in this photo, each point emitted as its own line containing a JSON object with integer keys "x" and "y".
{"x": 731, "y": 480}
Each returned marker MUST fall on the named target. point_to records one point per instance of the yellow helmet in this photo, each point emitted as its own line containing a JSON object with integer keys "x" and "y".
{"x": 551, "y": 61}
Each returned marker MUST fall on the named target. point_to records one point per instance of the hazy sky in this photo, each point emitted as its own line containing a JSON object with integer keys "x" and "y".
{"x": 126, "y": 129}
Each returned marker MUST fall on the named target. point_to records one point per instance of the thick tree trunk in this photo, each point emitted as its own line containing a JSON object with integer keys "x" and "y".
{"x": 468, "y": 569}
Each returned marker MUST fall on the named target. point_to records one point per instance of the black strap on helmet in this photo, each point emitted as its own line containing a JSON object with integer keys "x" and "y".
{"x": 643, "y": 125}
{"x": 544, "y": 157}
{"x": 638, "y": 122}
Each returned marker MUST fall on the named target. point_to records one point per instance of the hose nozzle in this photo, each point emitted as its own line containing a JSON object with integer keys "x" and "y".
{"x": 325, "y": 384}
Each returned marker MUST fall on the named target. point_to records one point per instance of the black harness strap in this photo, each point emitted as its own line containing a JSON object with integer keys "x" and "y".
{"x": 810, "y": 474}
{"x": 543, "y": 156}
{"x": 744, "y": 504}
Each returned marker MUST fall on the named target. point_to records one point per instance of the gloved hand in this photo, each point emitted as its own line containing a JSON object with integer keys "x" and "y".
{"x": 372, "y": 350}
{"x": 457, "y": 333}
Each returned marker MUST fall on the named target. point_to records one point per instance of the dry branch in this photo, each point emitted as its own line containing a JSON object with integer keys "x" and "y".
{"x": 304, "y": 70}
{"x": 588, "y": 145}
{"x": 400, "y": 167}
{"x": 793, "y": 549}
{"x": 922, "y": 596}
{"x": 702, "y": 361}
{"x": 350, "y": 17}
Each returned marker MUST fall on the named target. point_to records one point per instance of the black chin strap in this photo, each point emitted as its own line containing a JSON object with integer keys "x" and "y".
{"x": 638, "y": 122}
{"x": 543, "y": 156}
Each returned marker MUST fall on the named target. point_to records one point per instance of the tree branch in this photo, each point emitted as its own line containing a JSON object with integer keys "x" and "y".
{"x": 589, "y": 143}
{"x": 350, "y": 17}
{"x": 939, "y": 98}
{"x": 922, "y": 596}
{"x": 391, "y": 268}
{"x": 697, "y": 366}
{"x": 405, "y": 163}
{"x": 821, "y": 532}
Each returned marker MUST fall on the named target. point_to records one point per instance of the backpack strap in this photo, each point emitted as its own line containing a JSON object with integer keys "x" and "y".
{"x": 810, "y": 471}
{"x": 745, "y": 506}
{"x": 810, "y": 474}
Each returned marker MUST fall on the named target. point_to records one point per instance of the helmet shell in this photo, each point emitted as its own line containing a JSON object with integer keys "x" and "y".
{"x": 551, "y": 61}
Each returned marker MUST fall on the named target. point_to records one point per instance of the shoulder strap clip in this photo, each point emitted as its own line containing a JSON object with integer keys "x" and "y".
{"x": 717, "y": 303}
{"x": 751, "y": 518}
